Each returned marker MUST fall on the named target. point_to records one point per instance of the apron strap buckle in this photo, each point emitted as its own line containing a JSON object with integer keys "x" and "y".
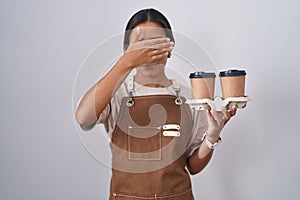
{"x": 130, "y": 102}
{"x": 178, "y": 101}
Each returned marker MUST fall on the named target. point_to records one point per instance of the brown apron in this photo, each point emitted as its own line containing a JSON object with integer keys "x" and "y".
{"x": 149, "y": 149}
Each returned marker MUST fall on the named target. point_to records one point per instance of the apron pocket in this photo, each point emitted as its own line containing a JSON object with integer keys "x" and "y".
{"x": 144, "y": 143}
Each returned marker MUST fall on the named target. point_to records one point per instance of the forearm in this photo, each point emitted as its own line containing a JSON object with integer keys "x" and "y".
{"x": 97, "y": 98}
{"x": 199, "y": 159}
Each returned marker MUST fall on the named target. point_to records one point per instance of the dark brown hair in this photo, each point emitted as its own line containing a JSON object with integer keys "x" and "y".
{"x": 147, "y": 15}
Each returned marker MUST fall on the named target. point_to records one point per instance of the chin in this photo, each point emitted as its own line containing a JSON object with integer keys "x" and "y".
{"x": 151, "y": 70}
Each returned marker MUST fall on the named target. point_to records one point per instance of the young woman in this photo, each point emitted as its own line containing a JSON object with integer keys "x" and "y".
{"x": 155, "y": 138}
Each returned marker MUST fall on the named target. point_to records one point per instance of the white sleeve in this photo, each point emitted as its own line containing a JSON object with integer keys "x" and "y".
{"x": 200, "y": 126}
{"x": 110, "y": 113}
{"x": 104, "y": 116}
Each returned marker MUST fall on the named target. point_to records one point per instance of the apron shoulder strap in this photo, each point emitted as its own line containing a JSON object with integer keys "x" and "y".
{"x": 130, "y": 89}
{"x": 130, "y": 85}
{"x": 176, "y": 86}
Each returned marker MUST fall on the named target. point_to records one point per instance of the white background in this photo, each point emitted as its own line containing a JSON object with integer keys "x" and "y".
{"x": 43, "y": 44}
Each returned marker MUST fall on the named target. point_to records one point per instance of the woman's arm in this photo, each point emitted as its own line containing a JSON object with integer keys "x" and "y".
{"x": 98, "y": 97}
{"x": 201, "y": 157}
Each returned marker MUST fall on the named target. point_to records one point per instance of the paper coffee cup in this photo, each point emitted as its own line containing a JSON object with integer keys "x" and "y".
{"x": 233, "y": 83}
{"x": 203, "y": 85}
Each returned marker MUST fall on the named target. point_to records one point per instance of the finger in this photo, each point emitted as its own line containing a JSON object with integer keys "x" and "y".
{"x": 151, "y": 43}
{"x": 163, "y": 45}
{"x": 219, "y": 117}
{"x": 141, "y": 44}
{"x": 158, "y": 43}
{"x": 233, "y": 110}
{"x": 158, "y": 57}
{"x": 152, "y": 49}
{"x": 210, "y": 117}
{"x": 157, "y": 40}
{"x": 161, "y": 51}
{"x": 135, "y": 46}
{"x": 226, "y": 114}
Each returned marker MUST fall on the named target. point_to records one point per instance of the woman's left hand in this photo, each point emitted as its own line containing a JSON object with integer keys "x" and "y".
{"x": 217, "y": 120}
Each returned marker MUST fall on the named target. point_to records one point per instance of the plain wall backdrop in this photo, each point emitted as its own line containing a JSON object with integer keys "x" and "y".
{"x": 43, "y": 44}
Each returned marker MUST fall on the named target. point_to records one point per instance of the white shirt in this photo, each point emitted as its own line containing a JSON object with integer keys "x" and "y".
{"x": 110, "y": 113}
